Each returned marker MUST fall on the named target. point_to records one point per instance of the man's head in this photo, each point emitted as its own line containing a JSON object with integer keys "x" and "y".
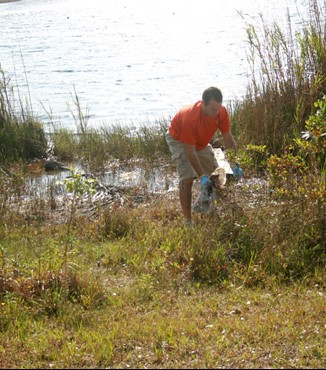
{"x": 212, "y": 101}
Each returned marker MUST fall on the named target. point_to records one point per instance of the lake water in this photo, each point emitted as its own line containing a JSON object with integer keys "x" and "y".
{"x": 128, "y": 61}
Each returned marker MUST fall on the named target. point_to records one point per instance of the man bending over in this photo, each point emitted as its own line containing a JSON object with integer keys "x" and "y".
{"x": 188, "y": 137}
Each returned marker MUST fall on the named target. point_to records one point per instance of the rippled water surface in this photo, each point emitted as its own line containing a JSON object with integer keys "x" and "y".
{"x": 153, "y": 180}
{"x": 128, "y": 60}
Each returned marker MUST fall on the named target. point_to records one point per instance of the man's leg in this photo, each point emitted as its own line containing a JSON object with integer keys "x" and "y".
{"x": 185, "y": 194}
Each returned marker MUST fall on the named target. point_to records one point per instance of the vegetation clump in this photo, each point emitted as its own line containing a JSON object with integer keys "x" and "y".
{"x": 21, "y": 136}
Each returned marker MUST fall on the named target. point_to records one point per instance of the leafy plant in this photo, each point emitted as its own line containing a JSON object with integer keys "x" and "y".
{"x": 253, "y": 158}
{"x": 312, "y": 145}
{"x": 303, "y": 174}
{"x": 78, "y": 185}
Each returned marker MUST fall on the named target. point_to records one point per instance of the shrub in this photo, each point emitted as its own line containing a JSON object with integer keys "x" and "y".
{"x": 20, "y": 137}
{"x": 303, "y": 173}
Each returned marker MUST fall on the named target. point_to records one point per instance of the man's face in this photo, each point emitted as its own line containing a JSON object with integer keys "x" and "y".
{"x": 212, "y": 108}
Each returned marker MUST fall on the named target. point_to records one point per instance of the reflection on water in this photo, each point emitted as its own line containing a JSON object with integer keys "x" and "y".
{"x": 157, "y": 180}
{"x": 154, "y": 180}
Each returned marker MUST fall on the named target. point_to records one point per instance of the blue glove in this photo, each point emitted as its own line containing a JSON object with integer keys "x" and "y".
{"x": 237, "y": 171}
{"x": 205, "y": 181}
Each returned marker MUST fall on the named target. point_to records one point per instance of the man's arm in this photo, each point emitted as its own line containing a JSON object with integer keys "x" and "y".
{"x": 229, "y": 141}
{"x": 193, "y": 158}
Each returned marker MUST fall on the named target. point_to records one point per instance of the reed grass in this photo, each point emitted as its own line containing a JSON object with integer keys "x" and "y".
{"x": 21, "y": 135}
{"x": 287, "y": 75}
{"x": 97, "y": 147}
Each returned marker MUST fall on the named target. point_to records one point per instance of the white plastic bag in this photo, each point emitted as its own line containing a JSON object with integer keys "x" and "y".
{"x": 204, "y": 202}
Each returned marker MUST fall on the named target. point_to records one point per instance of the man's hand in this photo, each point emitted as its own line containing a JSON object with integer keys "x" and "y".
{"x": 205, "y": 181}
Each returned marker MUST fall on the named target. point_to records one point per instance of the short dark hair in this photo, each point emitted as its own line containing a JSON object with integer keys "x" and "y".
{"x": 212, "y": 93}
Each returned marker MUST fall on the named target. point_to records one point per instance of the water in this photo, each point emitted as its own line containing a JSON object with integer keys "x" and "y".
{"x": 128, "y": 61}
{"x": 154, "y": 180}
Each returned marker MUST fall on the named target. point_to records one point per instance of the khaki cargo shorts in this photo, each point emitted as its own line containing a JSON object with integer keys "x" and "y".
{"x": 179, "y": 157}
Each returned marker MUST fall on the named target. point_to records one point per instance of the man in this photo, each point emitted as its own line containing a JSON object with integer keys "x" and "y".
{"x": 188, "y": 137}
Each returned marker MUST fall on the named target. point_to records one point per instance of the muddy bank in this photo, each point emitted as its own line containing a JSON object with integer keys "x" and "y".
{"x": 49, "y": 200}
{"x": 8, "y": 1}
{"x": 40, "y": 194}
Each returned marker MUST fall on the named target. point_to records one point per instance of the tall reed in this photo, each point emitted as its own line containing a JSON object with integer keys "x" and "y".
{"x": 287, "y": 75}
{"x": 21, "y": 135}
{"x": 122, "y": 142}
{"x": 96, "y": 146}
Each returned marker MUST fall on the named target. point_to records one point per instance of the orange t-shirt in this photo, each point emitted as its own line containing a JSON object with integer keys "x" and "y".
{"x": 190, "y": 125}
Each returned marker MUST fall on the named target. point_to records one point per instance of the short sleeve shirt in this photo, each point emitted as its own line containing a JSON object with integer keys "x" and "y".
{"x": 190, "y": 125}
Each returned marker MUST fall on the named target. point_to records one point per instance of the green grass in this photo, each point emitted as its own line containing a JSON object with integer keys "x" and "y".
{"x": 22, "y": 137}
{"x": 97, "y": 147}
{"x": 105, "y": 298}
{"x": 235, "y": 328}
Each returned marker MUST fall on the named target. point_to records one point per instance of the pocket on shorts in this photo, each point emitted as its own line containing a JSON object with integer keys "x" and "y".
{"x": 214, "y": 160}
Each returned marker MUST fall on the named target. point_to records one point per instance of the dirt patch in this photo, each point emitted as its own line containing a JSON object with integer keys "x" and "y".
{"x": 8, "y": 1}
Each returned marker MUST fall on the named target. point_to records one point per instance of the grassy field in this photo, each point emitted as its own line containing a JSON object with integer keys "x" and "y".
{"x": 133, "y": 288}
{"x": 129, "y": 286}
{"x": 171, "y": 324}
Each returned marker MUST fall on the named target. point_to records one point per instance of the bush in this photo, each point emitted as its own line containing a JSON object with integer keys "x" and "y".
{"x": 65, "y": 144}
{"x": 22, "y": 140}
{"x": 20, "y": 137}
{"x": 303, "y": 174}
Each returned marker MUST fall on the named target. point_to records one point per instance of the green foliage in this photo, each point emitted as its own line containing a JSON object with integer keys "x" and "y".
{"x": 151, "y": 140}
{"x": 22, "y": 140}
{"x": 303, "y": 174}
{"x": 21, "y": 137}
{"x": 116, "y": 224}
{"x": 286, "y": 172}
{"x": 209, "y": 263}
{"x": 32, "y": 139}
{"x": 47, "y": 277}
{"x": 79, "y": 184}
{"x": 65, "y": 144}
{"x": 312, "y": 146}
{"x": 92, "y": 148}
{"x": 98, "y": 146}
{"x": 253, "y": 158}
{"x": 139, "y": 275}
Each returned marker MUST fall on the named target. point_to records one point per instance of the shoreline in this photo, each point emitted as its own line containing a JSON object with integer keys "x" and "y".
{"x": 7, "y": 1}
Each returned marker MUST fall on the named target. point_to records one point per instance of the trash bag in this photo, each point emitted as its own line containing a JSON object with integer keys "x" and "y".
{"x": 204, "y": 202}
